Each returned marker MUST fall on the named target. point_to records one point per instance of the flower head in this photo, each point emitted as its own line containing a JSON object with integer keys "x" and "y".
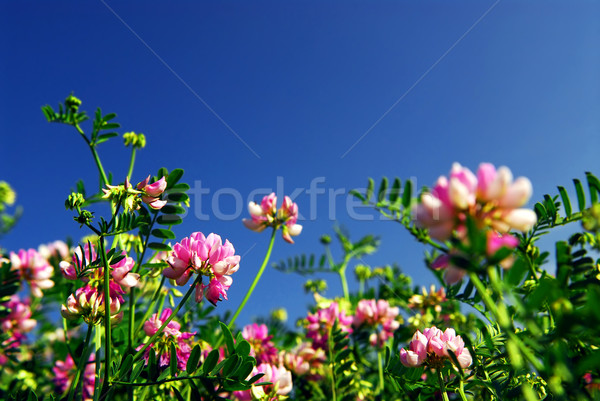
{"x": 379, "y": 316}
{"x": 151, "y": 192}
{"x": 207, "y": 256}
{"x": 491, "y": 198}
{"x": 171, "y": 335}
{"x": 433, "y": 347}
{"x": 320, "y": 323}
{"x": 34, "y": 269}
{"x": 267, "y": 215}
{"x": 263, "y": 348}
{"x": 64, "y": 372}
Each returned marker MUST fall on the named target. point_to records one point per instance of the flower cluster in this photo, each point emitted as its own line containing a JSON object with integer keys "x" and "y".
{"x": 491, "y": 198}
{"x": 15, "y": 324}
{"x": 64, "y": 372}
{"x": 431, "y": 348}
{"x": 374, "y": 314}
{"x": 207, "y": 256}
{"x": 171, "y": 335}
{"x": 262, "y": 348}
{"x": 280, "y": 379}
{"x": 321, "y": 322}
{"x": 432, "y": 299}
{"x": 88, "y": 301}
{"x": 131, "y": 198}
{"x": 267, "y": 215}
{"x": 33, "y": 268}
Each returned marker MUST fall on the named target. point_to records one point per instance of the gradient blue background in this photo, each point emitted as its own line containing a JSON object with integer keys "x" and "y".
{"x": 510, "y": 82}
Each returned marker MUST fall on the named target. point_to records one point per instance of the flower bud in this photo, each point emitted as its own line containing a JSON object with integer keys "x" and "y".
{"x": 72, "y": 103}
{"x": 137, "y": 141}
{"x": 74, "y": 201}
{"x": 325, "y": 239}
{"x": 85, "y": 217}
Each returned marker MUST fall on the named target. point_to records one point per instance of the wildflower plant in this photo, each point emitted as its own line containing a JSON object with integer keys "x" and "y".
{"x": 108, "y": 317}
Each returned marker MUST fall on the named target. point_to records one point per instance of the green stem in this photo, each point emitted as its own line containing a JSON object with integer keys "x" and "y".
{"x": 107, "y": 328}
{"x": 81, "y": 365}
{"x": 461, "y": 391}
{"x": 380, "y": 367}
{"x": 131, "y": 162}
{"x": 140, "y": 353}
{"x": 131, "y": 316}
{"x": 442, "y": 385}
{"x": 97, "y": 346}
{"x": 258, "y": 275}
{"x": 342, "y": 274}
{"x": 95, "y": 154}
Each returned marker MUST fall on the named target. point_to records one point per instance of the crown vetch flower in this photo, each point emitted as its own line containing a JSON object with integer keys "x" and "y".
{"x": 34, "y": 269}
{"x": 88, "y": 301}
{"x": 492, "y": 198}
{"x": 431, "y": 348}
{"x": 267, "y": 215}
{"x": 64, "y": 372}
{"x": 171, "y": 335}
{"x": 262, "y": 348}
{"x": 379, "y": 315}
{"x": 207, "y": 256}
{"x": 151, "y": 192}
{"x": 278, "y": 375}
{"x": 320, "y": 323}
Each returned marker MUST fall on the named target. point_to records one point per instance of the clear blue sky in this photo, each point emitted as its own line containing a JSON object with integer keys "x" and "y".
{"x": 240, "y": 93}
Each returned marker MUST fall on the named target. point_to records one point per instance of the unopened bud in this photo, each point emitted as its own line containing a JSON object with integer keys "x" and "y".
{"x": 74, "y": 201}
{"x": 138, "y": 141}
{"x": 72, "y": 103}
{"x": 325, "y": 239}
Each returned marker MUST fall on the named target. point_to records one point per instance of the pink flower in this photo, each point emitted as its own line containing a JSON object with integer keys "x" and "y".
{"x": 18, "y": 321}
{"x": 417, "y": 351}
{"x": 64, "y": 373}
{"x": 34, "y": 269}
{"x": 320, "y": 323}
{"x": 267, "y": 215}
{"x": 433, "y": 347}
{"x": 207, "y": 256}
{"x": 279, "y": 376}
{"x": 56, "y": 249}
{"x": 380, "y": 316}
{"x": 151, "y": 192}
{"x": 263, "y": 348}
{"x": 171, "y": 335}
{"x": 491, "y": 198}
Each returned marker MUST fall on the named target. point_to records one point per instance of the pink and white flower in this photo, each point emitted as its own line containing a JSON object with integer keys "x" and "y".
{"x": 378, "y": 315}
{"x": 320, "y": 323}
{"x": 267, "y": 215}
{"x": 34, "y": 269}
{"x": 207, "y": 256}
{"x": 432, "y": 348}
{"x": 151, "y": 192}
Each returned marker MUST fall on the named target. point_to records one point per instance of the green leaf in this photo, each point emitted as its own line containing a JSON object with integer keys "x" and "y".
{"x": 395, "y": 192}
{"x": 108, "y": 126}
{"x": 157, "y": 246}
{"x": 137, "y": 369}
{"x": 243, "y": 348}
{"x": 228, "y": 338}
{"x": 231, "y": 365}
{"x": 177, "y": 197}
{"x": 382, "y": 189}
{"x": 177, "y": 394}
{"x": 126, "y": 365}
{"x": 565, "y": 200}
{"x": 173, "y": 360}
{"x": 169, "y": 220}
{"x": 105, "y": 137}
{"x": 173, "y": 177}
{"x": 181, "y": 187}
{"x": 370, "y": 187}
{"x": 593, "y": 185}
{"x": 172, "y": 209}
{"x": 407, "y": 194}
{"x": 109, "y": 116}
{"x": 163, "y": 233}
{"x": 580, "y": 194}
{"x": 192, "y": 363}
{"x": 152, "y": 366}
{"x": 210, "y": 362}
{"x": 358, "y": 195}
{"x": 255, "y": 378}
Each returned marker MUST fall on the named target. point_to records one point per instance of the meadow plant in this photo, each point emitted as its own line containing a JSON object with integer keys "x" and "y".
{"x": 108, "y": 317}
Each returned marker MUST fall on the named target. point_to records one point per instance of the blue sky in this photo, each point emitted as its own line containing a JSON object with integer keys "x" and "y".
{"x": 239, "y": 94}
